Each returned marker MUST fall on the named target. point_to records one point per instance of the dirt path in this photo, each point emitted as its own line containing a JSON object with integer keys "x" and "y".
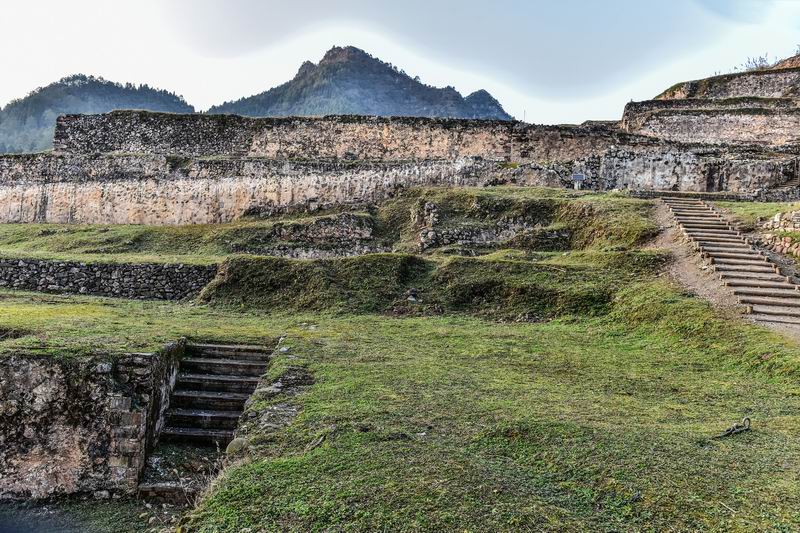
{"x": 688, "y": 270}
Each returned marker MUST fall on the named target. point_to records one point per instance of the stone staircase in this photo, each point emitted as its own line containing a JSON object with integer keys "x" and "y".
{"x": 212, "y": 386}
{"x": 213, "y": 383}
{"x": 754, "y": 279}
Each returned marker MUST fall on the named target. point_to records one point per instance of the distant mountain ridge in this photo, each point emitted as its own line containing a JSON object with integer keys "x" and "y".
{"x": 26, "y": 124}
{"x": 349, "y": 81}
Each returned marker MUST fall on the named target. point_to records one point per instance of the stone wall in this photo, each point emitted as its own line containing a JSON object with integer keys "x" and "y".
{"x": 158, "y": 189}
{"x": 79, "y": 424}
{"x": 329, "y": 138}
{"x": 769, "y": 122}
{"x": 759, "y": 83}
{"x": 124, "y": 280}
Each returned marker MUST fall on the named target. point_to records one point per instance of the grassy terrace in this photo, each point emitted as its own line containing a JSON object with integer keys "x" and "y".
{"x": 749, "y": 213}
{"x": 524, "y": 391}
{"x": 598, "y": 219}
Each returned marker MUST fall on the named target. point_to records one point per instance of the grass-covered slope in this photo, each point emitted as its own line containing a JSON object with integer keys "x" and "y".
{"x": 523, "y": 390}
{"x": 590, "y": 424}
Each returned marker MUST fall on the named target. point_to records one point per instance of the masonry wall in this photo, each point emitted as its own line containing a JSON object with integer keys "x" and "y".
{"x": 329, "y": 138}
{"x": 79, "y": 424}
{"x": 771, "y": 125}
{"x": 157, "y": 189}
{"x": 124, "y": 280}
{"x": 150, "y": 189}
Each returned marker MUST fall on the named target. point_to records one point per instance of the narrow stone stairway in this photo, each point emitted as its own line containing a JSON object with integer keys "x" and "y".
{"x": 213, "y": 383}
{"x": 754, "y": 279}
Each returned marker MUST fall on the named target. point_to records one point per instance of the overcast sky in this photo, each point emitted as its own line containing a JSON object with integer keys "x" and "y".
{"x": 549, "y": 61}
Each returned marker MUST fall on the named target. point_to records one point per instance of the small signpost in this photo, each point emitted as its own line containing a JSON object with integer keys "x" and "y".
{"x": 577, "y": 181}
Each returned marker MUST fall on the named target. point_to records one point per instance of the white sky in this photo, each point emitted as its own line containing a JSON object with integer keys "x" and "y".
{"x": 551, "y": 62}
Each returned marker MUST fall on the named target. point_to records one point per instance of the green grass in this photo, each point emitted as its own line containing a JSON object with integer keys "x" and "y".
{"x": 459, "y": 423}
{"x": 524, "y": 391}
{"x": 750, "y": 213}
{"x": 506, "y": 284}
{"x": 578, "y": 424}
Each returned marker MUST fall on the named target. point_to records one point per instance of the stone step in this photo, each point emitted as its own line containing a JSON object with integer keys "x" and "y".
{"x": 776, "y": 319}
{"x": 173, "y": 492}
{"x": 191, "y": 347}
{"x": 733, "y": 241}
{"x": 697, "y": 226}
{"x": 220, "y": 437}
{"x": 724, "y": 246}
{"x": 740, "y": 262}
{"x": 769, "y": 302}
{"x": 763, "y": 276}
{"x": 197, "y": 365}
{"x": 684, "y": 200}
{"x": 744, "y": 282}
{"x": 757, "y": 266}
{"x": 691, "y": 211}
{"x": 744, "y": 256}
{"x": 216, "y": 382}
{"x": 199, "y": 399}
{"x": 202, "y": 418}
{"x": 738, "y": 250}
{"x": 767, "y": 293}
{"x": 775, "y": 310}
{"x": 696, "y": 220}
{"x": 230, "y": 354}
{"x": 712, "y": 232}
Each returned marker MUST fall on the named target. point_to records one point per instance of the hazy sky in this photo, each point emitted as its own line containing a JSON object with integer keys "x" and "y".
{"x": 550, "y": 61}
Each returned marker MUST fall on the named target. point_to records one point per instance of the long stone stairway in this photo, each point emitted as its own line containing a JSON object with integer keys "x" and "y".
{"x": 754, "y": 279}
{"x": 213, "y": 383}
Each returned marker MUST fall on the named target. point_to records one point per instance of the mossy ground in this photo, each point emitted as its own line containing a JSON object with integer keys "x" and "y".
{"x": 460, "y": 423}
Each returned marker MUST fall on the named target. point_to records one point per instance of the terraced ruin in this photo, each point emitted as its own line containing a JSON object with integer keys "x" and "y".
{"x": 358, "y": 323}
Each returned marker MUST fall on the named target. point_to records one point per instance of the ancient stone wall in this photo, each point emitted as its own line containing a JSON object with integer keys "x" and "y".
{"x": 329, "y": 138}
{"x": 79, "y": 424}
{"x": 769, "y": 122}
{"x": 759, "y": 83}
{"x": 124, "y": 280}
{"x": 158, "y": 189}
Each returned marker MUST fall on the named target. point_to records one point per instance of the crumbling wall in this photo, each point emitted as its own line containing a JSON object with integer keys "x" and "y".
{"x": 354, "y": 138}
{"x": 79, "y": 424}
{"x": 716, "y": 124}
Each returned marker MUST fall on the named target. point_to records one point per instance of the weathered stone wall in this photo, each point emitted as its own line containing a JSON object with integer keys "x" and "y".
{"x": 157, "y": 189}
{"x": 329, "y": 138}
{"x": 759, "y": 83}
{"x": 80, "y": 424}
{"x": 123, "y": 280}
{"x": 772, "y": 122}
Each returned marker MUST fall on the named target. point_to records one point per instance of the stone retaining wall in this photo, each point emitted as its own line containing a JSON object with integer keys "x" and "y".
{"x": 124, "y": 280}
{"x": 80, "y": 424}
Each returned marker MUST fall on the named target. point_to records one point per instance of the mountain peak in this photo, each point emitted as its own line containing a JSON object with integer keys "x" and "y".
{"x": 340, "y": 54}
{"x": 349, "y": 81}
